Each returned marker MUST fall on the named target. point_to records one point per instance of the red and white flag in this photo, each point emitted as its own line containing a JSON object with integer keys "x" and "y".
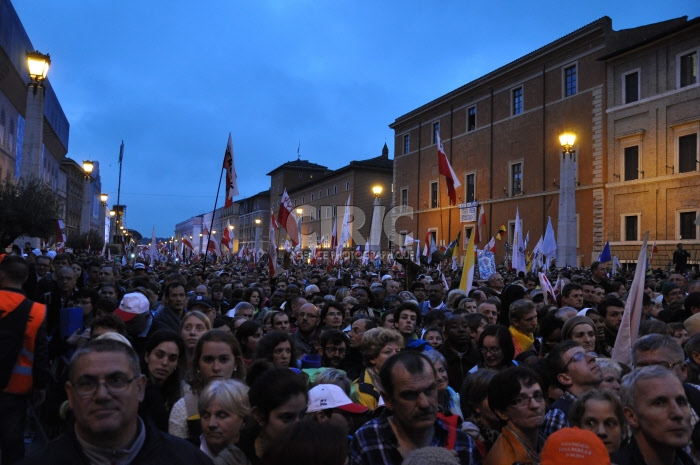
{"x": 480, "y": 227}
{"x": 287, "y": 219}
{"x": 546, "y": 287}
{"x": 186, "y": 242}
{"x": 231, "y": 177}
{"x": 446, "y": 170}
{"x": 491, "y": 246}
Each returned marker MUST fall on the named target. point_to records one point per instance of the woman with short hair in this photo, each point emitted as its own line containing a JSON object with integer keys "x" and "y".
{"x": 223, "y": 408}
{"x": 378, "y": 344}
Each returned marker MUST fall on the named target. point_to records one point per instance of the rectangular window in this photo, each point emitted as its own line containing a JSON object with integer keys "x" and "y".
{"x": 311, "y": 215}
{"x": 347, "y": 185}
{"x": 570, "y": 81}
{"x": 319, "y": 214}
{"x": 433, "y": 194}
{"x": 470, "y": 187}
{"x": 335, "y": 189}
{"x": 404, "y": 199}
{"x": 436, "y": 131}
{"x": 631, "y": 163}
{"x": 689, "y": 69}
{"x": 312, "y": 197}
{"x": 631, "y": 89}
{"x": 687, "y": 153}
{"x": 688, "y": 228}
{"x": 517, "y": 101}
{"x": 335, "y": 211}
{"x": 631, "y": 224}
{"x": 471, "y": 118}
{"x": 516, "y": 179}
{"x": 406, "y": 143}
{"x": 328, "y": 212}
{"x": 303, "y": 199}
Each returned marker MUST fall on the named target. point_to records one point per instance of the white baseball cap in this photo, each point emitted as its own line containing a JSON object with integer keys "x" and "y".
{"x": 328, "y": 396}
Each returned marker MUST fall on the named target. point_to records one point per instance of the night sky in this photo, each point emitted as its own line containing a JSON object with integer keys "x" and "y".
{"x": 173, "y": 78}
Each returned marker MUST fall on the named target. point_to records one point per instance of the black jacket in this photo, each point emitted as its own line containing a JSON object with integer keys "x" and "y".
{"x": 631, "y": 455}
{"x": 159, "y": 448}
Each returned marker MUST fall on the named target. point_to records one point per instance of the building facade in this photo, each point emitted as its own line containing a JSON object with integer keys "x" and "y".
{"x": 501, "y": 135}
{"x": 653, "y": 127}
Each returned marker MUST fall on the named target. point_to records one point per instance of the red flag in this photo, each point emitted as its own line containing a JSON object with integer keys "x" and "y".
{"x": 231, "y": 178}
{"x": 334, "y": 236}
{"x": 446, "y": 170}
{"x": 287, "y": 219}
{"x": 226, "y": 239}
{"x": 187, "y": 243}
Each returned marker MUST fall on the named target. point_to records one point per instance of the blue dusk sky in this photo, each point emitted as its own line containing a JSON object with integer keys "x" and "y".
{"x": 173, "y": 78}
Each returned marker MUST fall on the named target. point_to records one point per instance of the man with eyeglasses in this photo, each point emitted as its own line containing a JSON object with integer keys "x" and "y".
{"x": 332, "y": 347}
{"x": 307, "y": 328}
{"x": 577, "y": 372}
{"x": 104, "y": 388}
{"x": 663, "y": 350}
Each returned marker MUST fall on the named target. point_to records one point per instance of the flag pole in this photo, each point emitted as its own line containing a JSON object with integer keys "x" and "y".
{"x": 211, "y": 224}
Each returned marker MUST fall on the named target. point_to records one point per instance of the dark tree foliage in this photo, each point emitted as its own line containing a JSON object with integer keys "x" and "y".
{"x": 28, "y": 207}
{"x": 81, "y": 241}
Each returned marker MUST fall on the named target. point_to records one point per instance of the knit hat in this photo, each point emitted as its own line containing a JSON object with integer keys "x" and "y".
{"x": 132, "y": 305}
{"x": 571, "y": 323}
{"x": 328, "y": 396}
{"x": 574, "y": 446}
{"x": 668, "y": 287}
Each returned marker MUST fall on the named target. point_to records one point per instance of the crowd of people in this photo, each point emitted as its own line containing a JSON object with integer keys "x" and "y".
{"x": 177, "y": 364}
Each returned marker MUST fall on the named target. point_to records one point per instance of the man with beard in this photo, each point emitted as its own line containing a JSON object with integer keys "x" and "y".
{"x": 332, "y": 346}
{"x": 458, "y": 350}
{"x": 409, "y": 389}
{"x": 307, "y": 328}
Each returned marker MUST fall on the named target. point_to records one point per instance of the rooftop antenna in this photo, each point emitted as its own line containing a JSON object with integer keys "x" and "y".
{"x": 298, "y": 148}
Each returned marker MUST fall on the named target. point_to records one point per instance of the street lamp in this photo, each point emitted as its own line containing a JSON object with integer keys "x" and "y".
{"x": 375, "y": 232}
{"x": 566, "y": 227}
{"x": 103, "y": 199}
{"x": 38, "y": 65}
{"x": 112, "y": 213}
{"x": 32, "y": 146}
{"x": 88, "y": 166}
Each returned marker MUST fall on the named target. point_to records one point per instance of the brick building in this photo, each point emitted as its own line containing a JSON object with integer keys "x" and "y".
{"x": 500, "y": 133}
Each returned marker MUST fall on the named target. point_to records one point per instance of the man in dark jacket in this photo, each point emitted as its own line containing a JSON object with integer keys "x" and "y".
{"x": 458, "y": 350}
{"x": 104, "y": 388}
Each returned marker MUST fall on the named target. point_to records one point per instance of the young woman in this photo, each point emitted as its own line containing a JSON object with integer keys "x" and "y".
{"x": 278, "y": 400}
{"x": 433, "y": 336}
{"x": 217, "y": 356}
{"x": 279, "y": 348}
{"x": 600, "y": 412}
{"x": 193, "y": 325}
{"x": 162, "y": 365}
{"x": 248, "y": 335}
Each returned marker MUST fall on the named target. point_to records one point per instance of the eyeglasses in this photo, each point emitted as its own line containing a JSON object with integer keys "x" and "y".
{"x": 522, "y": 401}
{"x": 115, "y": 384}
{"x": 577, "y": 357}
{"x": 491, "y": 350}
{"x": 335, "y": 350}
{"x": 659, "y": 363}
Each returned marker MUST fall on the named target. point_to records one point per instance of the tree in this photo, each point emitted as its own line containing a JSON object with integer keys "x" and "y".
{"x": 81, "y": 241}
{"x": 28, "y": 207}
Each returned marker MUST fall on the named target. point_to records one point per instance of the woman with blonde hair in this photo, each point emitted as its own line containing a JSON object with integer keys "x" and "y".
{"x": 378, "y": 344}
{"x": 223, "y": 409}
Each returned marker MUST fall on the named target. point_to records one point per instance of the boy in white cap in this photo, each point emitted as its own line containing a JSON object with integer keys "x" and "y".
{"x": 328, "y": 404}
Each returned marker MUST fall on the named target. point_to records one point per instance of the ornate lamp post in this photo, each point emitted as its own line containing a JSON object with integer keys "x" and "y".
{"x": 566, "y": 227}
{"x": 38, "y": 67}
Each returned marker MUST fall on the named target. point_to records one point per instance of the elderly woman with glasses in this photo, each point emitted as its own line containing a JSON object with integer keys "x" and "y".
{"x": 515, "y": 396}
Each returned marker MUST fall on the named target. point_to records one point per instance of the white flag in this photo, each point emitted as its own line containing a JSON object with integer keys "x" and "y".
{"x": 518, "y": 250}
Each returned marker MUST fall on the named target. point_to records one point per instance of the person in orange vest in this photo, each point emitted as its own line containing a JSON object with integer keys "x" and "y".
{"x": 24, "y": 357}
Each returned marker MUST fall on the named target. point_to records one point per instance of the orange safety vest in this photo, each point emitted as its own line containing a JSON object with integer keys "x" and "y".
{"x": 21, "y": 378}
